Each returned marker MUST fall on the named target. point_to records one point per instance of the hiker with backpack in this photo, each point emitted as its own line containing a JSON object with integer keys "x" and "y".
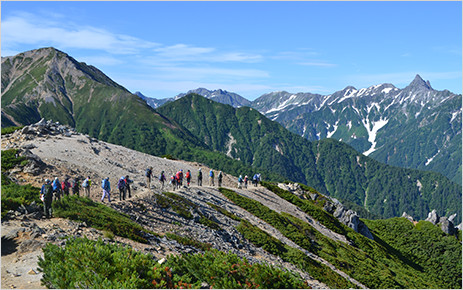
{"x": 179, "y": 178}
{"x": 47, "y": 193}
{"x": 211, "y": 178}
{"x": 219, "y": 178}
{"x": 200, "y": 178}
{"x": 121, "y": 185}
{"x": 65, "y": 185}
{"x": 56, "y": 189}
{"x": 240, "y": 181}
{"x": 148, "y": 174}
{"x": 127, "y": 185}
{"x": 162, "y": 178}
{"x": 254, "y": 180}
{"x": 86, "y": 185}
{"x": 246, "y": 181}
{"x": 173, "y": 181}
{"x": 75, "y": 187}
{"x": 188, "y": 177}
{"x": 106, "y": 189}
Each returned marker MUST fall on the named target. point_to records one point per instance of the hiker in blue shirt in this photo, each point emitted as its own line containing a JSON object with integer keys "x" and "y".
{"x": 106, "y": 189}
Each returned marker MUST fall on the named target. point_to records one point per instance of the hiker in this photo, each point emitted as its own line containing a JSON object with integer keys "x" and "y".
{"x": 86, "y": 185}
{"x": 65, "y": 185}
{"x": 211, "y": 178}
{"x": 188, "y": 177}
{"x": 200, "y": 178}
{"x": 106, "y": 189}
{"x": 121, "y": 185}
{"x": 56, "y": 189}
{"x": 173, "y": 181}
{"x": 254, "y": 180}
{"x": 246, "y": 181}
{"x": 75, "y": 187}
{"x": 148, "y": 174}
{"x": 219, "y": 178}
{"x": 240, "y": 181}
{"x": 127, "y": 185}
{"x": 179, "y": 178}
{"x": 162, "y": 178}
{"x": 47, "y": 192}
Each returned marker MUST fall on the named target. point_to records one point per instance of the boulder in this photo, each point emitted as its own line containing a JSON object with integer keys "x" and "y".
{"x": 407, "y": 216}
{"x": 329, "y": 207}
{"x": 433, "y": 217}
{"x": 447, "y": 226}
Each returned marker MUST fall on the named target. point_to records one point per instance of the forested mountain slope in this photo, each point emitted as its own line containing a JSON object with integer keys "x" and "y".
{"x": 328, "y": 165}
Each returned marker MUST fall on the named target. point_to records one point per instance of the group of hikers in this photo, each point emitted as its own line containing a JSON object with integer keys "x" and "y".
{"x": 176, "y": 179}
{"x": 54, "y": 190}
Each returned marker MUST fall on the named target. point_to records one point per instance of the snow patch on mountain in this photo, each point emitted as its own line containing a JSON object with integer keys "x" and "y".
{"x": 329, "y": 134}
{"x": 432, "y": 158}
{"x": 372, "y": 133}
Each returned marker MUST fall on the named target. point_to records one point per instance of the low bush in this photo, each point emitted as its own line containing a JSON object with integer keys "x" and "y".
{"x": 13, "y": 195}
{"x": 99, "y": 216}
{"x": 9, "y": 130}
{"x": 83, "y": 263}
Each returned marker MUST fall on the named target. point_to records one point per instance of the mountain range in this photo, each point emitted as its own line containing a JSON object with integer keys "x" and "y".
{"x": 48, "y": 83}
{"x": 414, "y": 127}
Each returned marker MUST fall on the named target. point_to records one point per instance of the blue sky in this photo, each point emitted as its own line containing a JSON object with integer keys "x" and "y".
{"x": 250, "y": 48}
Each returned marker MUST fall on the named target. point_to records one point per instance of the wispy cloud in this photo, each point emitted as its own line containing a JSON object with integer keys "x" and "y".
{"x": 318, "y": 64}
{"x": 189, "y": 53}
{"x": 25, "y": 28}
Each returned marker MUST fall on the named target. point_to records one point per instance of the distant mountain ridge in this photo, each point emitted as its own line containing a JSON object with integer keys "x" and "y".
{"x": 415, "y": 127}
{"x": 219, "y": 96}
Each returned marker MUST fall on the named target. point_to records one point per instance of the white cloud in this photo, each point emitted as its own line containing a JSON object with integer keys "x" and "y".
{"x": 189, "y": 53}
{"x": 29, "y": 29}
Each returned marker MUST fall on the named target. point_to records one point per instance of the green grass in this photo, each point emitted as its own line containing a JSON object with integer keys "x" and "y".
{"x": 370, "y": 262}
{"x": 99, "y": 216}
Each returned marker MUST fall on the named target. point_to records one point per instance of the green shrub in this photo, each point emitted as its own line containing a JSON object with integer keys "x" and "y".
{"x": 221, "y": 270}
{"x": 9, "y": 159}
{"x": 83, "y": 263}
{"x": 9, "y": 130}
{"x": 437, "y": 254}
{"x": 13, "y": 195}
{"x": 98, "y": 216}
{"x": 189, "y": 242}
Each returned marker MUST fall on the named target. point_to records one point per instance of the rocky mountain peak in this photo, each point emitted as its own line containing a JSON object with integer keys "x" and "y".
{"x": 419, "y": 84}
